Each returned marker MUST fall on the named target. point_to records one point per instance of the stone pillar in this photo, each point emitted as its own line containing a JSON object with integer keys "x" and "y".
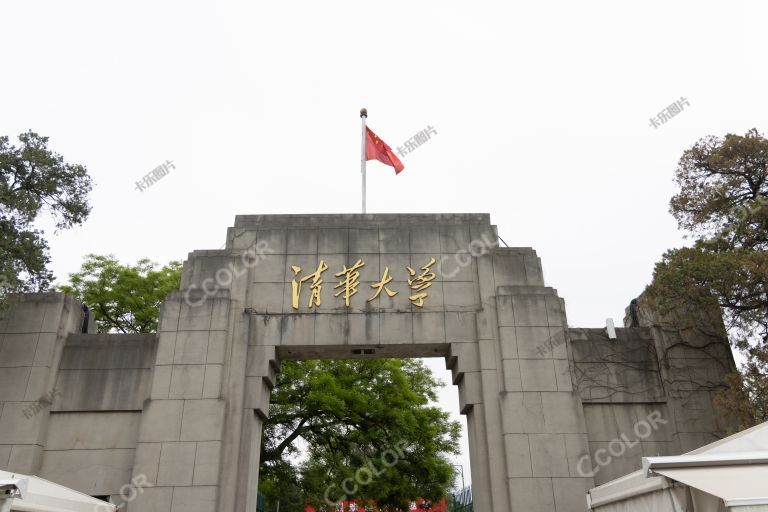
{"x": 180, "y": 444}
{"x": 32, "y": 336}
{"x": 694, "y": 359}
{"x": 538, "y": 412}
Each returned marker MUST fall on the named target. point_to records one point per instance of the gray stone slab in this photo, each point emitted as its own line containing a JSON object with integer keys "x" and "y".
{"x": 509, "y": 269}
{"x": 548, "y": 455}
{"x": 460, "y": 326}
{"x": 202, "y": 420}
{"x": 454, "y": 238}
{"x": 195, "y": 317}
{"x": 217, "y": 347}
{"x": 93, "y": 431}
{"x": 194, "y": 499}
{"x": 512, "y": 378}
{"x": 394, "y": 240}
{"x": 429, "y": 327}
{"x": 425, "y": 240}
{"x": 46, "y": 346}
{"x": 18, "y": 349}
{"x": 518, "y": 456}
{"x": 191, "y": 347}
{"x": 187, "y": 381}
{"x": 301, "y": 241}
{"x": 567, "y": 492}
{"x": 460, "y": 296}
{"x": 13, "y": 383}
{"x": 117, "y": 389}
{"x": 214, "y": 375}
{"x": 37, "y": 385}
{"x": 396, "y": 328}
{"x": 161, "y": 421}
{"x": 333, "y": 241}
{"x": 271, "y": 268}
{"x": 177, "y": 463}
{"x": 95, "y": 472}
{"x": 456, "y": 267}
{"x": 108, "y": 351}
{"x": 152, "y": 499}
{"x": 18, "y": 427}
{"x": 147, "y": 461}
{"x": 297, "y": 329}
{"x": 562, "y": 414}
{"x": 206, "y": 470}
{"x": 530, "y": 310}
{"x": 25, "y": 459}
{"x": 538, "y": 375}
{"x": 531, "y": 494}
{"x": 161, "y": 382}
{"x": 364, "y": 240}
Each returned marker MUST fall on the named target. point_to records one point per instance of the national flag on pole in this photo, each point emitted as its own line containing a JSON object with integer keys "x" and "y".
{"x": 377, "y": 149}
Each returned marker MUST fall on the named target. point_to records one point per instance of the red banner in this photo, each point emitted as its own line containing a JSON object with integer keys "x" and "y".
{"x": 419, "y": 505}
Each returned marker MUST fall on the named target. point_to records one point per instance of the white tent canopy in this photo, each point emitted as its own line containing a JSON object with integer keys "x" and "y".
{"x": 39, "y": 495}
{"x": 732, "y": 472}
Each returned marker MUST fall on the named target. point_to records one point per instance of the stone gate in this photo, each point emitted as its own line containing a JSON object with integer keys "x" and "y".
{"x": 179, "y": 413}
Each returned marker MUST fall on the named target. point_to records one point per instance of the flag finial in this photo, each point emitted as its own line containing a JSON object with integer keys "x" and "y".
{"x": 363, "y": 112}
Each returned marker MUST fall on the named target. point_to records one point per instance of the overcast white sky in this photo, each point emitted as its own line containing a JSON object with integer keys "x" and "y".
{"x": 542, "y": 111}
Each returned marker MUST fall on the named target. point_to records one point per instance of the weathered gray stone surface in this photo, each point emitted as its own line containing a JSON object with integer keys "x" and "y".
{"x": 105, "y": 372}
{"x": 623, "y": 370}
{"x": 182, "y": 409}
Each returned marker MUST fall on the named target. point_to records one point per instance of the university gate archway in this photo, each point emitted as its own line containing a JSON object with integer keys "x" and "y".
{"x": 178, "y": 415}
{"x": 428, "y": 285}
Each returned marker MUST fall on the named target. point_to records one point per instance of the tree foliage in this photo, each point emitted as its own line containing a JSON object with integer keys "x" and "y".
{"x": 123, "y": 298}
{"x": 34, "y": 180}
{"x": 375, "y": 414}
{"x": 723, "y": 203}
{"x": 723, "y": 189}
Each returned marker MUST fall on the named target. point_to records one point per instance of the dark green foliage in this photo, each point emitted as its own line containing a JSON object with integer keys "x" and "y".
{"x": 723, "y": 202}
{"x": 35, "y": 180}
{"x": 123, "y": 298}
{"x": 369, "y": 421}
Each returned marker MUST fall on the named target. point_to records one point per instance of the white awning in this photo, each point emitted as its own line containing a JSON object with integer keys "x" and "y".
{"x": 734, "y": 469}
{"x": 39, "y": 495}
{"x": 729, "y": 483}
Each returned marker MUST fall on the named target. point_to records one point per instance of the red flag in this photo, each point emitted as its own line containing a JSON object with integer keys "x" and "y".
{"x": 377, "y": 149}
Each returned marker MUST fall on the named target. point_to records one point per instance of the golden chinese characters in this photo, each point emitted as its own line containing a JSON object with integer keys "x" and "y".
{"x": 316, "y": 285}
{"x": 421, "y": 282}
{"x": 382, "y": 285}
{"x": 349, "y": 281}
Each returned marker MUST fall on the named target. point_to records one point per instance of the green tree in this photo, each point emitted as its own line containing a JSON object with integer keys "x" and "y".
{"x": 123, "y": 298}
{"x": 723, "y": 203}
{"x": 372, "y": 422}
{"x": 35, "y": 180}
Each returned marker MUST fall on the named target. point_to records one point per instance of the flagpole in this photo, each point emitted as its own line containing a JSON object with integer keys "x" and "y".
{"x": 363, "y": 116}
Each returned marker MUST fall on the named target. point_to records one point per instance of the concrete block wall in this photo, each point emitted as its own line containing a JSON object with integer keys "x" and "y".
{"x": 181, "y": 432}
{"x": 694, "y": 358}
{"x": 103, "y": 381}
{"x": 545, "y": 432}
{"x": 32, "y": 337}
{"x": 622, "y": 393}
{"x": 92, "y": 452}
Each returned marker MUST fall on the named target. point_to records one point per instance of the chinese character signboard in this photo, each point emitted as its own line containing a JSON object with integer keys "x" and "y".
{"x": 348, "y": 284}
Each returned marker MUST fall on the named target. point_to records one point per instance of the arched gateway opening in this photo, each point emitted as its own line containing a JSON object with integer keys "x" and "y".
{"x": 370, "y": 463}
{"x": 187, "y": 405}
